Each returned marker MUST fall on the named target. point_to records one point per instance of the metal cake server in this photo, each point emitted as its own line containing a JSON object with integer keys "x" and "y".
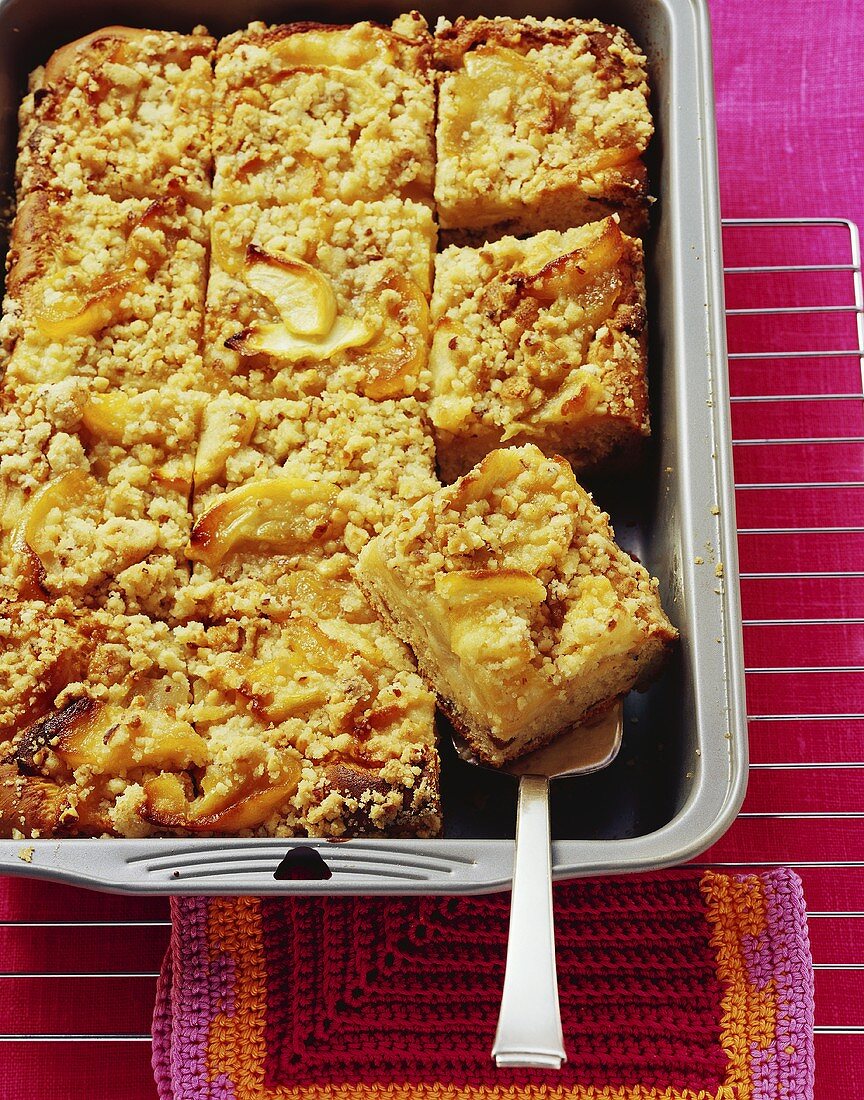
{"x": 529, "y": 1023}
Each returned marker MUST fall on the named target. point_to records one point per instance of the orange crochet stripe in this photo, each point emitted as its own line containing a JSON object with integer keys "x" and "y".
{"x": 236, "y": 1039}
{"x": 236, "y": 1046}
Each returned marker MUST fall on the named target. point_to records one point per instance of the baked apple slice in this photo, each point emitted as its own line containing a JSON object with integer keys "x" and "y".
{"x": 276, "y": 340}
{"x": 279, "y": 514}
{"x": 229, "y": 801}
{"x": 400, "y": 351}
{"x": 302, "y": 295}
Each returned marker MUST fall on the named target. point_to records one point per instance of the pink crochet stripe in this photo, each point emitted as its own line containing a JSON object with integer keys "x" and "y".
{"x": 781, "y": 955}
{"x": 191, "y": 991}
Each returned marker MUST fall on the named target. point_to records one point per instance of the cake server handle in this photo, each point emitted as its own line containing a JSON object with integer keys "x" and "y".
{"x": 529, "y": 1024}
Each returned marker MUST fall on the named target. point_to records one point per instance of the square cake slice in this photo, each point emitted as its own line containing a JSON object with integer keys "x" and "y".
{"x": 103, "y": 289}
{"x": 524, "y": 615}
{"x": 320, "y": 295}
{"x": 540, "y": 340}
{"x": 94, "y": 490}
{"x": 329, "y": 687}
{"x": 94, "y": 707}
{"x": 284, "y": 483}
{"x": 340, "y": 112}
{"x": 541, "y": 125}
{"x": 121, "y": 112}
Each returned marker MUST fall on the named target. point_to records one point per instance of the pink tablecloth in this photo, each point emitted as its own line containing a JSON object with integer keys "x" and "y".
{"x": 790, "y": 110}
{"x": 790, "y": 107}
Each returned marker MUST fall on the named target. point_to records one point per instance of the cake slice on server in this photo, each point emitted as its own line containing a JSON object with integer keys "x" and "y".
{"x": 524, "y": 615}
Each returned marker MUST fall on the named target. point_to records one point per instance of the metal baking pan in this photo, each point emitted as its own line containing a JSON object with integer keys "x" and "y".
{"x": 681, "y": 774}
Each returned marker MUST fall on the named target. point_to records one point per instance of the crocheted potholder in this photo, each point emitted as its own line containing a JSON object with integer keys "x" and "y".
{"x": 680, "y": 987}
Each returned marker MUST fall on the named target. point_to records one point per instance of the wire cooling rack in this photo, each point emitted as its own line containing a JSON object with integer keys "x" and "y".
{"x": 795, "y": 319}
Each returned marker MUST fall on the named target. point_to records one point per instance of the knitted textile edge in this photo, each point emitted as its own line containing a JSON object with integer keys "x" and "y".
{"x": 209, "y": 1022}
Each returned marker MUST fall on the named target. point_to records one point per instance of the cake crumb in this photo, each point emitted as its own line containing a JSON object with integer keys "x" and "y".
{"x": 718, "y": 569}
{"x": 715, "y": 511}
{"x": 26, "y": 854}
{"x": 698, "y": 560}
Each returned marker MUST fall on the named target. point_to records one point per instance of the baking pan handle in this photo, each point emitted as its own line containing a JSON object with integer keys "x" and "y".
{"x": 529, "y": 1024}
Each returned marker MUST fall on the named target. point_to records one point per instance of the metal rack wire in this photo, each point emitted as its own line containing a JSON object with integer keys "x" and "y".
{"x": 766, "y": 834}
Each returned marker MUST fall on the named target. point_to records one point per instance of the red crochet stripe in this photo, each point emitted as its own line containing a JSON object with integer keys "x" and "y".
{"x": 350, "y": 979}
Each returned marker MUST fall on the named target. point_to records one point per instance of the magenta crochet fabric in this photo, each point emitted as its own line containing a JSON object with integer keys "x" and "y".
{"x": 681, "y": 987}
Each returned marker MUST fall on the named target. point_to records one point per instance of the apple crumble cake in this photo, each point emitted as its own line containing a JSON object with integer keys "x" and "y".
{"x": 320, "y": 295}
{"x": 283, "y": 484}
{"x": 541, "y": 125}
{"x": 121, "y": 112}
{"x": 94, "y": 489}
{"x": 309, "y": 110}
{"x": 540, "y": 340}
{"x": 119, "y": 725}
{"x": 104, "y": 289}
{"x": 523, "y": 613}
{"x": 218, "y": 358}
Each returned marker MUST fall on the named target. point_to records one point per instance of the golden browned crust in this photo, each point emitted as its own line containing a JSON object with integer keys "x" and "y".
{"x": 95, "y": 48}
{"x": 453, "y": 41}
{"x": 32, "y": 241}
